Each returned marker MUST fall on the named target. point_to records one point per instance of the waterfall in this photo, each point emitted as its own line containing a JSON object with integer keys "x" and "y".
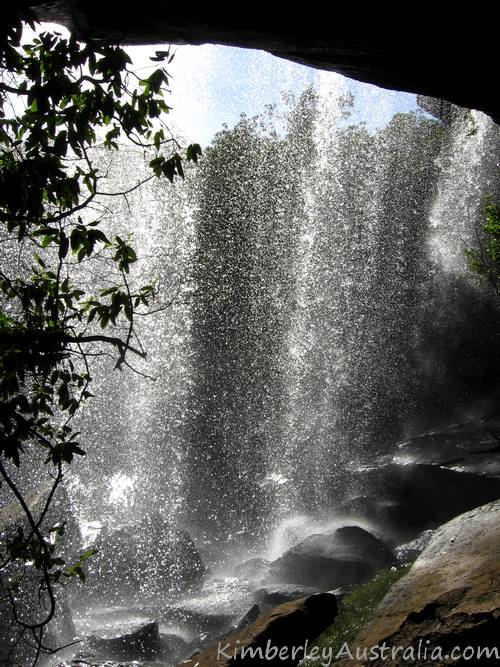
{"x": 138, "y": 416}
{"x": 326, "y": 325}
{"x": 314, "y": 299}
{"x": 315, "y": 307}
{"x": 314, "y": 310}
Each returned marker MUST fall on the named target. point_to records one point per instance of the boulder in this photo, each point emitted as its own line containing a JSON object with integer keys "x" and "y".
{"x": 272, "y": 596}
{"x": 450, "y": 597}
{"x": 148, "y": 559}
{"x": 169, "y": 558}
{"x": 470, "y": 447}
{"x": 133, "y": 642}
{"x": 113, "y": 573}
{"x": 406, "y": 499}
{"x": 286, "y": 627}
{"x": 347, "y": 556}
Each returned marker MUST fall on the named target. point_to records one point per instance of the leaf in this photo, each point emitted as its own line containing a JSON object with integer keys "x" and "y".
{"x": 88, "y": 554}
{"x": 59, "y": 562}
{"x": 77, "y": 236}
{"x": 61, "y": 143}
{"x": 97, "y": 235}
{"x": 160, "y": 56}
{"x": 63, "y": 245}
{"x": 108, "y": 291}
{"x": 59, "y": 529}
{"x": 46, "y": 231}
{"x": 193, "y": 152}
{"x": 92, "y": 315}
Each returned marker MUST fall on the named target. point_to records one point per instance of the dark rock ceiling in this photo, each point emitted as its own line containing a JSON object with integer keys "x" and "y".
{"x": 422, "y": 48}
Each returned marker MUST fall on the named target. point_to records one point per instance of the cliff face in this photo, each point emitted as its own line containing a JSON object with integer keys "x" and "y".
{"x": 449, "y": 57}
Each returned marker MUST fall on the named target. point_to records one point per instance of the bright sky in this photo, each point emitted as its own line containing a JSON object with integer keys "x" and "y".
{"x": 212, "y": 85}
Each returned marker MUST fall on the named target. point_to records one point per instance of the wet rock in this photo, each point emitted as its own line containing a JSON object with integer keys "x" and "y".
{"x": 470, "y": 447}
{"x": 169, "y": 558}
{"x": 406, "y": 499}
{"x": 132, "y": 643}
{"x": 252, "y": 615}
{"x": 450, "y": 597}
{"x": 427, "y": 480}
{"x": 174, "y": 648}
{"x": 147, "y": 559}
{"x": 406, "y": 553}
{"x": 347, "y": 556}
{"x": 113, "y": 573}
{"x": 285, "y": 627}
{"x": 272, "y": 596}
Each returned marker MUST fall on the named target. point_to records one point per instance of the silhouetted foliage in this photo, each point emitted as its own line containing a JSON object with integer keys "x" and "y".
{"x": 59, "y": 99}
